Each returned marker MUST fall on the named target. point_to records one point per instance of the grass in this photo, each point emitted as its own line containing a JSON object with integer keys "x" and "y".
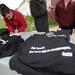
{"x": 2, "y": 24}
{"x": 52, "y": 23}
{"x": 30, "y": 23}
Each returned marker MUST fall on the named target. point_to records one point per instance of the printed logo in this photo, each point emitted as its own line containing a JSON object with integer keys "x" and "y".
{"x": 67, "y": 54}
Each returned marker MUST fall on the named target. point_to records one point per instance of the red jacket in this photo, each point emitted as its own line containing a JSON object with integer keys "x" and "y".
{"x": 17, "y": 21}
{"x": 65, "y": 17}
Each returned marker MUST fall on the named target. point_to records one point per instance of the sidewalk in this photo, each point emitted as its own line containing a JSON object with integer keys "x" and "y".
{"x": 53, "y": 28}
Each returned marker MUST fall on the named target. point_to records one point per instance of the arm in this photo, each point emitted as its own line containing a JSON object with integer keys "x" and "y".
{"x": 8, "y": 24}
{"x": 37, "y": 8}
{"x": 23, "y": 23}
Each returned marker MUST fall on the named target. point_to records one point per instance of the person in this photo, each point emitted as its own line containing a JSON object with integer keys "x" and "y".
{"x": 51, "y": 12}
{"x": 14, "y": 19}
{"x": 65, "y": 14}
{"x": 38, "y": 10}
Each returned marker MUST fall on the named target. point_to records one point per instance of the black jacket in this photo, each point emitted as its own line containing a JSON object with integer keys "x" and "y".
{"x": 38, "y": 8}
{"x": 46, "y": 54}
{"x": 39, "y": 12}
{"x": 9, "y": 44}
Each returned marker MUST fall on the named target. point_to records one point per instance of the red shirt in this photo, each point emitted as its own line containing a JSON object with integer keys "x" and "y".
{"x": 17, "y": 22}
{"x": 65, "y": 16}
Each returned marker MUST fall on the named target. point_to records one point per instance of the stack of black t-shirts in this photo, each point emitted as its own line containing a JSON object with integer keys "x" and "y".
{"x": 45, "y": 54}
{"x": 9, "y": 44}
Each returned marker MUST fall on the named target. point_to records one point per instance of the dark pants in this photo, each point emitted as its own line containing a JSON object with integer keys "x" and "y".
{"x": 41, "y": 24}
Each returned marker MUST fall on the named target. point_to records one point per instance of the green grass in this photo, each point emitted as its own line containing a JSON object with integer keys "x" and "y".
{"x": 52, "y": 23}
{"x": 30, "y": 23}
{"x": 2, "y": 24}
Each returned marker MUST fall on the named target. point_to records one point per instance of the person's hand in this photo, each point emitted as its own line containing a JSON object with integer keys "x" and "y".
{"x": 11, "y": 33}
{"x": 15, "y": 34}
